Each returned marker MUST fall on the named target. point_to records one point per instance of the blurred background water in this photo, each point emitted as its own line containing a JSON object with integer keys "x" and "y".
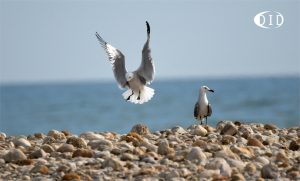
{"x": 94, "y": 106}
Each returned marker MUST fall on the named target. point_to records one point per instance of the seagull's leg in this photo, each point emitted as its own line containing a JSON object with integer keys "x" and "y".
{"x": 130, "y": 96}
{"x": 139, "y": 97}
{"x": 206, "y": 120}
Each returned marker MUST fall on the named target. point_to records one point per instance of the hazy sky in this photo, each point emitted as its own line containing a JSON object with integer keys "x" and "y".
{"x": 55, "y": 40}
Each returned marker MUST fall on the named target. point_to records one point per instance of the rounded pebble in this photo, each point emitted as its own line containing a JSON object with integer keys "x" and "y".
{"x": 14, "y": 155}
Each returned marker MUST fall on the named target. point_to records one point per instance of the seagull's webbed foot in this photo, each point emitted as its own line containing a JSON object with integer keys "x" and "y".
{"x": 128, "y": 98}
{"x": 139, "y": 97}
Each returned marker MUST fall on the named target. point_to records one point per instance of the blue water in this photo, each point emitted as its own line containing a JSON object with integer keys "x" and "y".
{"x": 79, "y": 107}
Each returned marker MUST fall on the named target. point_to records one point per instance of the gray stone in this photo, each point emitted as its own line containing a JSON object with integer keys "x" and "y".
{"x": 294, "y": 145}
{"x": 145, "y": 142}
{"x": 66, "y": 148}
{"x": 56, "y": 134}
{"x": 228, "y": 139}
{"x": 226, "y": 153}
{"x": 100, "y": 144}
{"x": 172, "y": 174}
{"x": 278, "y": 145}
{"x": 237, "y": 177}
{"x": 82, "y": 152}
{"x": 103, "y": 154}
{"x": 2, "y": 161}
{"x": 269, "y": 171}
{"x": 198, "y": 130}
{"x": 140, "y": 129}
{"x": 47, "y": 148}
{"x": 149, "y": 159}
{"x": 174, "y": 139}
{"x": 55, "y": 154}
{"x": 212, "y": 147}
{"x": 240, "y": 165}
{"x": 22, "y": 142}
{"x": 178, "y": 130}
{"x": 40, "y": 153}
{"x": 262, "y": 160}
{"x": 229, "y": 129}
{"x": 184, "y": 172}
{"x": 221, "y": 164}
{"x": 113, "y": 163}
{"x": 220, "y": 125}
{"x": 241, "y": 141}
{"x": 76, "y": 142}
{"x": 209, "y": 173}
{"x": 14, "y": 155}
{"x": 165, "y": 161}
{"x": 42, "y": 161}
{"x": 91, "y": 136}
{"x": 196, "y": 154}
{"x": 125, "y": 147}
{"x": 163, "y": 147}
{"x": 270, "y": 126}
{"x": 67, "y": 167}
{"x": 2, "y": 136}
{"x": 40, "y": 169}
{"x": 128, "y": 157}
{"x": 26, "y": 177}
{"x": 254, "y": 142}
{"x": 48, "y": 140}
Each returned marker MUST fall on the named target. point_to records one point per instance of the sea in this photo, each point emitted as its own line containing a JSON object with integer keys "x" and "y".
{"x": 99, "y": 106}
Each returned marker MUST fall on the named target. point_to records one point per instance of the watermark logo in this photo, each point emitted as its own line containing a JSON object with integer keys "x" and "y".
{"x": 269, "y": 19}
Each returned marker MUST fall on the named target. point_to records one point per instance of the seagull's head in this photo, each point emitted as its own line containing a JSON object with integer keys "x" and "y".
{"x": 205, "y": 89}
{"x": 129, "y": 76}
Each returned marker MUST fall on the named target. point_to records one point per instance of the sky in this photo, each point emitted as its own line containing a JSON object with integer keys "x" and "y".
{"x": 54, "y": 41}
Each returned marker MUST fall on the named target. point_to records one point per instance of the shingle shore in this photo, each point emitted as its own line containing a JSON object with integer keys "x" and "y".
{"x": 231, "y": 151}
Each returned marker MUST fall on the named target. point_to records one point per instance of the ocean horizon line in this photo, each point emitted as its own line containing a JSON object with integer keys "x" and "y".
{"x": 163, "y": 79}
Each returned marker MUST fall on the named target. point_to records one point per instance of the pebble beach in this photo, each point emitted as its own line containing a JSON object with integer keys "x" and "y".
{"x": 232, "y": 150}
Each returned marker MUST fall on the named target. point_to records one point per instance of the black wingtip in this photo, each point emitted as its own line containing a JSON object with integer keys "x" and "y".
{"x": 148, "y": 27}
{"x": 102, "y": 42}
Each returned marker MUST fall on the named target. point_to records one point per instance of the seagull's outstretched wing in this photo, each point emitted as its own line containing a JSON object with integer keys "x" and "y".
{"x": 209, "y": 110}
{"x": 117, "y": 60}
{"x": 196, "y": 110}
{"x": 146, "y": 69}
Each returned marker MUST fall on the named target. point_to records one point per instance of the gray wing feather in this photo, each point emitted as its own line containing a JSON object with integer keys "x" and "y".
{"x": 196, "y": 110}
{"x": 147, "y": 69}
{"x": 209, "y": 110}
{"x": 117, "y": 59}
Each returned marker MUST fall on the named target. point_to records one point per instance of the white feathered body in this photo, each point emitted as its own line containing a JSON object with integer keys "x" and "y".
{"x": 138, "y": 92}
{"x": 203, "y": 109}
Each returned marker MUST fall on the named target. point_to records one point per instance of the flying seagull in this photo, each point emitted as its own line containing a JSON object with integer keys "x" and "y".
{"x": 137, "y": 80}
{"x": 202, "y": 107}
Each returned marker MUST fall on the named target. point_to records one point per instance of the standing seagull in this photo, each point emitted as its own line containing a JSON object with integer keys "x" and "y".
{"x": 202, "y": 107}
{"x": 135, "y": 81}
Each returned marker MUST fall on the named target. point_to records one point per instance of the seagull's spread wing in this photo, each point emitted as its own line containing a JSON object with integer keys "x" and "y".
{"x": 196, "y": 110}
{"x": 117, "y": 60}
{"x": 146, "y": 69}
{"x": 209, "y": 110}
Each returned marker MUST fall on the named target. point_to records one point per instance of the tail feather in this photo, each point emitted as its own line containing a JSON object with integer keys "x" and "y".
{"x": 145, "y": 95}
